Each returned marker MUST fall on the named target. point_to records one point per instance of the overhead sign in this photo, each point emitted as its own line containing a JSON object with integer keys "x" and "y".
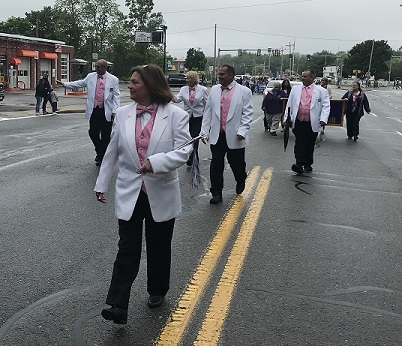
{"x": 142, "y": 36}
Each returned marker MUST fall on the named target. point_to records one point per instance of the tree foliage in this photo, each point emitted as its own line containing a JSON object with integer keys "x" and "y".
{"x": 195, "y": 60}
{"x": 359, "y": 58}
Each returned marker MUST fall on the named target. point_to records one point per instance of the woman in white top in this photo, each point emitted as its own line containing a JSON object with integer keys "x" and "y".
{"x": 194, "y": 97}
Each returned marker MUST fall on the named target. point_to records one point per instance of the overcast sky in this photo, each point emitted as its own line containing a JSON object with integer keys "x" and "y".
{"x": 313, "y": 25}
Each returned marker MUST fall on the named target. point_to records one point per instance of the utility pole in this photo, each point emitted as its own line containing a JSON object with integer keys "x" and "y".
{"x": 164, "y": 49}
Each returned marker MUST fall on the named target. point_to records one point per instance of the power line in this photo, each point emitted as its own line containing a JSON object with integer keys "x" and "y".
{"x": 248, "y": 6}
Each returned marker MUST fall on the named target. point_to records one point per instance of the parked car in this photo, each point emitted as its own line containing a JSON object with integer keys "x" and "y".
{"x": 176, "y": 79}
{"x": 1, "y": 91}
{"x": 272, "y": 82}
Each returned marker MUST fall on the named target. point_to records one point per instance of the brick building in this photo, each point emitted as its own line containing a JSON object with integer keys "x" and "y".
{"x": 23, "y": 60}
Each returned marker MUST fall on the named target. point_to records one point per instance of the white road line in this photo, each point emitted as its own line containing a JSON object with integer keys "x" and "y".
{"x": 400, "y": 134}
{"x": 374, "y": 114}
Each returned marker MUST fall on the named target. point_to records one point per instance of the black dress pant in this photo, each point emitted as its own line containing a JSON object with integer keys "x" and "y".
{"x": 158, "y": 237}
{"x": 99, "y": 131}
{"x": 195, "y": 129}
{"x": 236, "y": 159}
{"x": 46, "y": 99}
{"x": 304, "y": 142}
{"x": 352, "y": 124}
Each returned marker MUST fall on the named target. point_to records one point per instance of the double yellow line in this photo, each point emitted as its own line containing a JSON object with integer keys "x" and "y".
{"x": 210, "y": 331}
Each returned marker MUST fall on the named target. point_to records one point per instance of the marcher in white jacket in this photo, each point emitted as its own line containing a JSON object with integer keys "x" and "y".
{"x": 309, "y": 110}
{"x": 103, "y": 99}
{"x": 144, "y": 138}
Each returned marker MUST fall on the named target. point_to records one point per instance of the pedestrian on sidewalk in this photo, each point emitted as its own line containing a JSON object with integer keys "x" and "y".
{"x": 145, "y": 135}
{"x": 53, "y": 99}
{"x": 103, "y": 99}
{"x": 226, "y": 122}
{"x": 309, "y": 111}
{"x": 46, "y": 93}
{"x": 39, "y": 94}
{"x": 355, "y": 107}
{"x": 272, "y": 107}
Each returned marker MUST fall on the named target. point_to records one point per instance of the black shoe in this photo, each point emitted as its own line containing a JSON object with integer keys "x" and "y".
{"x": 240, "y": 187}
{"x": 308, "y": 168}
{"x": 216, "y": 199}
{"x": 115, "y": 314}
{"x": 297, "y": 169}
{"x": 155, "y": 301}
{"x": 355, "y": 138}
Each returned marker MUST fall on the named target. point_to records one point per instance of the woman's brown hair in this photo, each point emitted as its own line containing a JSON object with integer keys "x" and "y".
{"x": 156, "y": 83}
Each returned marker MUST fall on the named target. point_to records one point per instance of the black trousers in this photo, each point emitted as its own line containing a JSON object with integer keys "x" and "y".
{"x": 352, "y": 124}
{"x": 158, "y": 237}
{"x": 195, "y": 129}
{"x": 236, "y": 159}
{"x": 46, "y": 99}
{"x": 304, "y": 143}
{"x": 99, "y": 131}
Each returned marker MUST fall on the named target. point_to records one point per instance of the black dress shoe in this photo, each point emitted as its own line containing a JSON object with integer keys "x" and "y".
{"x": 308, "y": 168}
{"x": 115, "y": 314}
{"x": 355, "y": 138}
{"x": 297, "y": 169}
{"x": 240, "y": 187}
{"x": 216, "y": 199}
{"x": 155, "y": 301}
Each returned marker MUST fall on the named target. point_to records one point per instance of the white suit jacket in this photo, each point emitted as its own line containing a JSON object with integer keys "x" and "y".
{"x": 239, "y": 117}
{"x": 169, "y": 132}
{"x": 112, "y": 93}
{"x": 319, "y": 108}
{"x": 195, "y": 109}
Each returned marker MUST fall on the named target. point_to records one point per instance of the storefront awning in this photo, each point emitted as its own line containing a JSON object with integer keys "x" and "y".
{"x": 46, "y": 55}
{"x": 15, "y": 61}
{"x": 27, "y": 53}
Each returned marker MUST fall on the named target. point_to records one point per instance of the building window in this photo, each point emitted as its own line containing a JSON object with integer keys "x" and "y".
{"x": 64, "y": 68}
{"x": 23, "y": 73}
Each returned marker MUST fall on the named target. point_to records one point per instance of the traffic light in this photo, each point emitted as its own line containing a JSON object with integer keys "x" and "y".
{"x": 239, "y": 52}
{"x": 258, "y": 52}
{"x": 290, "y": 56}
{"x": 308, "y": 57}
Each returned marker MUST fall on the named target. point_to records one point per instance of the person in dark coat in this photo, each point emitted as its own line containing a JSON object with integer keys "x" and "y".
{"x": 272, "y": 107}
{"x": 357, "y": 101}
{"x": 39, "y": 94}
{"x": 46, "y": 93}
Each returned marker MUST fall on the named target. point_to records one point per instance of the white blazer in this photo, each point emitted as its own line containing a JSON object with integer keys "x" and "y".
{"x": 195, "y": 109}
{"x": 239, "y": 117}
{"x": 112, "y": 93}
{"x": 319, "y": 108}
{"x": 170, "y": 131}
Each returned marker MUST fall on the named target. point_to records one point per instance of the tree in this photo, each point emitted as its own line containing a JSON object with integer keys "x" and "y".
{"x": 17, "y": 26}
{"x": 195, "y": 60}
{"x": 359, "y": 58}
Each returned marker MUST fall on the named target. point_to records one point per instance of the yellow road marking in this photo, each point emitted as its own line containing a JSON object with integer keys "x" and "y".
{"x": 174, "y": 329}
{"x": 211, "y": 328}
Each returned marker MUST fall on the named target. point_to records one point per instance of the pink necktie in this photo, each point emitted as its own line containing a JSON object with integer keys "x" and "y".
{"x": 150, "y": 109}
{"x": 192, "y": 95}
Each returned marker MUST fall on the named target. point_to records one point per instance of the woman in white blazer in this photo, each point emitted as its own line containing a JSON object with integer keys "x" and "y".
{"x": 194, "y": 97}
{"x": 144, "y": 137}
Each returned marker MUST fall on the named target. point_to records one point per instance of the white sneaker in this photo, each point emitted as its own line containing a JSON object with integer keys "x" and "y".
{"x": 54, "y": 113}
{"x": 37, "y": 113}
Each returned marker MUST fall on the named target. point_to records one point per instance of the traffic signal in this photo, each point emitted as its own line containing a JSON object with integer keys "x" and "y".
{"x": 308, "y": 57}
{"x": 290, "y": 56}
{"x": 258, "y": 52}
{"x": 239, "y": 52}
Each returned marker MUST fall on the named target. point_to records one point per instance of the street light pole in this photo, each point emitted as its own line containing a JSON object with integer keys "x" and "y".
{"x": 164, "y": 49}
